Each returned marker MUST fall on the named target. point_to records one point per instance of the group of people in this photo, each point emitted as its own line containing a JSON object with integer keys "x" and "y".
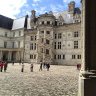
{"x": 3, "y": 66}
{"x": 42, "y": 66}
{"x": 45, "y": 66}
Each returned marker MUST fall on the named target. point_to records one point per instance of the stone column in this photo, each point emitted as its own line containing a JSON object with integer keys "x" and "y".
{"x": 87, "y": 77}
{"x": 0, "y": 55}
{"x": 9, "y": 55}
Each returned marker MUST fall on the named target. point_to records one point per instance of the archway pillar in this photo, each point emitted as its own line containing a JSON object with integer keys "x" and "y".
{"x": 87, "y": 76}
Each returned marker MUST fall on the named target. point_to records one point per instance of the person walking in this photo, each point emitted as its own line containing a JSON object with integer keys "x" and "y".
{"x": 5, "y": 66}
{"x": 48, "y": 66}
{"x": 40, "y": 67}
{"x": 31, "y": 68}
{"x": 2, "y": 63}
{"x": 13, "y": 63}
{"x": 22, "y": 69}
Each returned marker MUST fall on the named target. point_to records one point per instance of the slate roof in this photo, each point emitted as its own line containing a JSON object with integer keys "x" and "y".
{"x": 66, "y": 16}
{"x": 6, "y": 22}
{"x": 20, "y": 23}
{"x": 77, "y": 11}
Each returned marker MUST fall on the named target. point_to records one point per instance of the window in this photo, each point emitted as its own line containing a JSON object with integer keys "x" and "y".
{"x": 55, "y": 36}
{"x": 31, "y": 46}
{"x": 42, "y": 32}
{"x": 54, "y": 56}
{"x": 59, "y": 56}
{"x": 59, "y": 45}
{"x": 41, "y": 50}
{"x": 34, "y": 56}
{"x": 59, "y": 35}
{"x": 35, "y": 46}
{"x": 12, "y": 44}
{"x": 42, "y": 40}
{"x": 5, "y": 44}
{"x": 42, "y": 22}
{"x": 75, "y": 44}
{"x": 47, "y": 51}
{"x": 31, "y": 38}
{"x": 76, "y": 34}
{"x": 54, "y": 45}
{"x": 13, "y": 34}
{"x": 78, "y": 56}
{"x": 18, "y": 44}
{"x": 48, "y": 22}
{"x": 73, "y": 56}
{"x": 35, "y": 37}
{"x": 5, "y": 34}
{"x": 31, "y": 56}
{"x": 19, "y": 33}
{"x": 47, "y": 41}
{"x": 63, "y": 57}
{"x": 48, "y": 32}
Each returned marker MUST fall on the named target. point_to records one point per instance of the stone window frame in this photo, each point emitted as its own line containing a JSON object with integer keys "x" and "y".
{"x": 31, "y": 38}
{"x": 47, "y": 51}
{"x": 5, "y": 44}
{"x": 59, "y": 35}
{"x": 20, "y": 33}
{"x": 18, "y": 44}
{"x": 48, "y": 22}
{"x": 35, "y": 37}
{"x": 47, "y": 32}
{"x": 6, "y": 35}
{"x": 31, "y": 56}
{"x": 75, "y": 44}
{"x": 42, "y": 22}
{"x": 78, "y": 56}
{"x": 13, "y": 34}
{"x": 34, "y": 56}
{"x": 63, "y": 56}
{"x": 55, "y": 45}
{"x": 73, "y": 56}
{"x": 59, "y": 45}
{"x": 55, "y": 36}
{"x": 34, "y": 46}
{"x": 31, "y": 46}
{"x": 54, "y": 56}
{"x": 59, "y": 56}
{"x": 47, "y": 41}
{"x": 76, "y": 34}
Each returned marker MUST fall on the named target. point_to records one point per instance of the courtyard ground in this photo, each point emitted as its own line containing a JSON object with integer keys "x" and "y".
{"x": 59, "y": 81}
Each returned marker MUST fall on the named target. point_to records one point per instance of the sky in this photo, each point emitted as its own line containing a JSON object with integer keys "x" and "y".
{"x": 19, "y": 8}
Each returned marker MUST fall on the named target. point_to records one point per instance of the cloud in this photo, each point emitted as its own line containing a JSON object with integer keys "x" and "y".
{"x": 56, "y": 8}
{"x": 36, "y": 0}
{"x": 41, "y": 10}
{"x": 11, "y": 8}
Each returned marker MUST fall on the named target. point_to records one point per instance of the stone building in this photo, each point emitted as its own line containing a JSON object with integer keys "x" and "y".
{"x": 50, "y": 37}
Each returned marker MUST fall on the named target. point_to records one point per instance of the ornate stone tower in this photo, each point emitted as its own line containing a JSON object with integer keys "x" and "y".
{"x": 45, "y": 37}
{"x": 71, "y": 7}
{"x": 33, "y": 13}
{"x": 33, "y": 19}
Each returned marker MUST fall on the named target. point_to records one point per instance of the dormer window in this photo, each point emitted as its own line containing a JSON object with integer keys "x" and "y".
{"x": 5, "y": 34}
{"x": 42, "y": 22}
{"x": 48, "y": 22}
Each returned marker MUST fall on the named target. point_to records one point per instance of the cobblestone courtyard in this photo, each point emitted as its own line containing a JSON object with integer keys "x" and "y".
{"x": 59, "y": 81}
